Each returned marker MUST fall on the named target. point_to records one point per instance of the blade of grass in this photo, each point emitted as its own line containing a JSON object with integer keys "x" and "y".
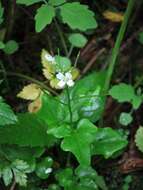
{"x": 116, "y": 49}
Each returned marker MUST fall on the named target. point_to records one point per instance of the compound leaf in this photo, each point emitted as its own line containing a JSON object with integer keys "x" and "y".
{"x": 7, "y": 116}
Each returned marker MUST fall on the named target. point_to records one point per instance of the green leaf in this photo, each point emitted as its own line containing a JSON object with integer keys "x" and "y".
{"x": 89, "y": 178}
{"x": 60, "y": 132}
{"x": 28, "y": 2}
{"x": 13, "y": 152}
{"x": 63, "y": 64}
{"x": 54, "y": 187}
{"x": 7, "y": 176}
{"x": 28, "y": 131}
{"x": 122, "y": 92}
{"x": 126, "y": 93}
{"x": 78, "y": 40}
{"x": 43, "y": 168}
{"x": 125, "y": 118}
{"x": 136, "y": 102}
{"x": 11, "y": 47}
{"x": 107, "y": 142}
{"x": 56, "y": 2}
{"x": 53, "y": 112}
{"x": 2, "y": 45}
{"x": 44, "y": 17}
{"x": 71, "y": 11}
{"x": 7, "y": 116}
{"x": 139, "y": 138}
{"x": 65, "y": 177}
{"x": 79, "y": 141}
{"x": 86, "y": 99}
{"x": 20, "y": 177}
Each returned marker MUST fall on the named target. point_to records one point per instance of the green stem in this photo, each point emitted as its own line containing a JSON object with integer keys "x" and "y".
{"x": 60, "y": 32}
{"x": 70, "y": 111}
{"x": 70, "y": 51}
{"x": 69, "y": 105}
{"x": 41, "y": 84}
{"x": 118, "y": 42}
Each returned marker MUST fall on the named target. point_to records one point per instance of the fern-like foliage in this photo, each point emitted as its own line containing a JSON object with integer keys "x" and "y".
{"x": 7, "y": 116}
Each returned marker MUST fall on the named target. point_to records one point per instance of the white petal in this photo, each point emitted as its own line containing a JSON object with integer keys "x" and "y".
{"x": 60, "y": 76}
{"x": 49, "y": 58}
{"x": 61, "y": 84}
{"x": 70, "y": 83}
{"x": 68, "y": 76}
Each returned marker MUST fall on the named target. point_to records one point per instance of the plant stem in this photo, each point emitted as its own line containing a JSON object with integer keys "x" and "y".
{"x": 118, "y": 42}
{"x": 13, "y": 185}
{"x": 70, "y": 51}
{"x": 69, "y": 105}
{"x": 41, "y": 84}
{"x": 70, "y": 111}
{"x": 60, "y": 32}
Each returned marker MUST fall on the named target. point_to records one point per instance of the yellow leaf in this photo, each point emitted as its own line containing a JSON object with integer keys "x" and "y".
{"x": 49, "y": 64}
{"x": 35, "y": 106}
{"x": 54, "y": 83}
{"x": 30, "y": 92}
{"x": 75, "y": 73}
{"x": 113, "y": 16}
{"x": 47, "y": 59}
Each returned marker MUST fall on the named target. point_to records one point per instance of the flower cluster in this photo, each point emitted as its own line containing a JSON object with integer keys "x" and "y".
{"x": 58, "y": 70}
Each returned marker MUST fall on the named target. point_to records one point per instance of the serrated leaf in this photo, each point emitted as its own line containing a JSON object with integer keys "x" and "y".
{"x": 107, "y": 142}
{"x": 79, "y": 138}
{"x": 56, "y": 2}
{"x": 28, "y": 131}
{"x": 30, "y": 92}
{"x": 113, "y": 16}
{"x": 7, "y": 176}
{"x": 125, "y": 118}
{"x": 139, "y": 138}
{"x": 28, "y": 2}
{"x": 71, "y": 11}
{"x": 77, "y": 40}
{"x": 11, "y": 47}
{"x": 20, "y": 177}
{"x": 44, "y": 17}
{"x": 7, "y": 116}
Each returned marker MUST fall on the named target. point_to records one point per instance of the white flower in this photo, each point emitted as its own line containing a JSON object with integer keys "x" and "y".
{"x": 65, "y": 79}
{"x": 49, "y": 58}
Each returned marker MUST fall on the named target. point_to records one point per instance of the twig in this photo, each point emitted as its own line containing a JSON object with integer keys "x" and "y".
{"x": 59, "y": 30}
{"x": 41, "y": 84}
{"x": 92, "y": 61}
{"x": 13, "y": 185}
